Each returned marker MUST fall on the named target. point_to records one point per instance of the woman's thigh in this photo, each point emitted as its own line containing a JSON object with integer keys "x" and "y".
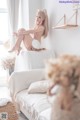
{"x": 28, "y": 41}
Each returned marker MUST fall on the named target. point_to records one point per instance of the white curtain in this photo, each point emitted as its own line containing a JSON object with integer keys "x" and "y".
{"x": 25, "y": 13}
{"x": 13, "y": 10}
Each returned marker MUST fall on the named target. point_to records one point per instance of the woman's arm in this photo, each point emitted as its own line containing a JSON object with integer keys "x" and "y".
{"x": 35, "y": 30}
{"x": 22, "y": 31}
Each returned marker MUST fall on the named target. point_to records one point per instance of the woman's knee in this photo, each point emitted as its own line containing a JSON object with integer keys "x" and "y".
{"x": 21, "y": 30}
{"x": 20, "y": 36}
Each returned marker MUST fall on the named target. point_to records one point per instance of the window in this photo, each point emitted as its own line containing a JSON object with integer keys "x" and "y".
{"x": 3, "y": 21}
{"x": 4, "y": 31}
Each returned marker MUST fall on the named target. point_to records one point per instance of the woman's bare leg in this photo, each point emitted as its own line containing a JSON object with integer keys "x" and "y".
{"x": 28, "y": 42}
{"x": 18, "y": 42}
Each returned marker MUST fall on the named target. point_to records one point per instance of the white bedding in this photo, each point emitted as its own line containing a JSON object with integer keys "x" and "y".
{"x": 34, "y": 104}
{"x": 45, "y": 115}
{"x": 27, "y": 60}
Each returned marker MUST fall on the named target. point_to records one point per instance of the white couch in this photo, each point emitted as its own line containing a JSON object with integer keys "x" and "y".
{"x": 33, "y": 106}
{"x": 37, "y": 106}
{"x": 28, "y": 69}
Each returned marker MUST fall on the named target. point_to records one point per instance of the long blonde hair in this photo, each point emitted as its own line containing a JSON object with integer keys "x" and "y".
{"x": 43, "y": 14}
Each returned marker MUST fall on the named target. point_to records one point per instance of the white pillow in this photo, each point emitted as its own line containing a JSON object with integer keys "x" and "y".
{"x": 39, "y": 86}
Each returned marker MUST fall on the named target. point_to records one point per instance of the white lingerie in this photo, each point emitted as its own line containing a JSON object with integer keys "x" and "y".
{"x": 36, "y": 44}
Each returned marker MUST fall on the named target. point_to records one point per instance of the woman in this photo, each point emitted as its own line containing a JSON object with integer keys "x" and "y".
{"x": 32, "y": 37}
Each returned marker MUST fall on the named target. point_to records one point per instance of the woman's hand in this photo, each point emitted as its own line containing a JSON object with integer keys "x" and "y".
{"x": 15, "y": 34}
{"x": 21, "y": 31}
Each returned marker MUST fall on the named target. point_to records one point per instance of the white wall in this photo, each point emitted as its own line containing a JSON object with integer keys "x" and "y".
{"x": 66, "y": 40}
{"x": 33, "y": 6}
{"x": 28, "y": 9}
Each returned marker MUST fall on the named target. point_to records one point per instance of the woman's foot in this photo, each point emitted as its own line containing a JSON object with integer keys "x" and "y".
{"x": 15, "y": 34}
{"x": 12, "y": 50}
{"x": 17, "y": 51}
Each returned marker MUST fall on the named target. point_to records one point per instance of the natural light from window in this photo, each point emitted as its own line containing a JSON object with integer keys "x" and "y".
{"x": 3, "y": 21}
{"x": 4, "y": 35}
